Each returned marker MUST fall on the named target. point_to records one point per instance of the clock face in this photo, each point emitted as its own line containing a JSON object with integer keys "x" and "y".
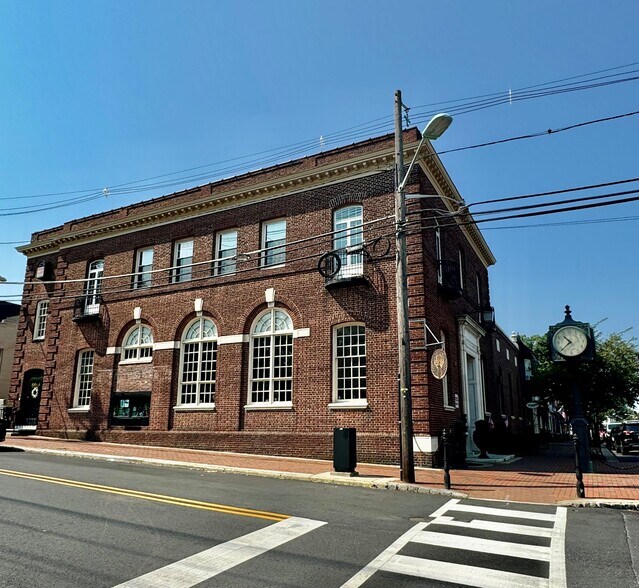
{"x": 570, "y": 341}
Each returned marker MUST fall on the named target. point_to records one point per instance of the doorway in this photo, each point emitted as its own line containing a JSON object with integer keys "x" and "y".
{"x": 27, "y": 415}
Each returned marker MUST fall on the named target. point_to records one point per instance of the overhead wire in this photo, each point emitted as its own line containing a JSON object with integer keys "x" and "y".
{"x": 38, "y": 208}
{"x": 375, "y": 125}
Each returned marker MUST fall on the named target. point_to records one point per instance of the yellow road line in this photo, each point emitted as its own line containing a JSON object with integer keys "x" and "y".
{"x": 211, "y": 506}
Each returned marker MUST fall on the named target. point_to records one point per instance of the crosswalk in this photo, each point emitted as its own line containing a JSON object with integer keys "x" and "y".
{"x": 480, "y": 546}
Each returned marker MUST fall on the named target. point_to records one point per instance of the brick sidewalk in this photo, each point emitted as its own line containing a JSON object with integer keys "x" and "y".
{"x": 546, "y": 478}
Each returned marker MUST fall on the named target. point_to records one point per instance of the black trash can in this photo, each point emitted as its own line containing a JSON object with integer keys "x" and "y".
{"x": 344, "y": 450}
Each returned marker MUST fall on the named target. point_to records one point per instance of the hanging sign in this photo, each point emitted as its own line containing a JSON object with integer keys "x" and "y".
{"x": 532, "y": 405}
{"x": 439, "y": 364}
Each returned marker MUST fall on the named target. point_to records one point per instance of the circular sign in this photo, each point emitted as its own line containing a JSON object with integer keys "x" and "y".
{"x": 329, "y": 264}
{"x": 439, "y": 363}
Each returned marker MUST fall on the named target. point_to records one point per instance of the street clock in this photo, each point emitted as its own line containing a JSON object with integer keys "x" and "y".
{"x": 570, "y": 340}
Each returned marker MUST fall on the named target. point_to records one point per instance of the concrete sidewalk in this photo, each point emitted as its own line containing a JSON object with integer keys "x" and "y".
{"x": 546, "y": 478}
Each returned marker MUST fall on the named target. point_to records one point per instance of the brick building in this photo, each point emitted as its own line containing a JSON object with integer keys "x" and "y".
{"x": 8, "y": 330}
{"x": 200, "y": 319}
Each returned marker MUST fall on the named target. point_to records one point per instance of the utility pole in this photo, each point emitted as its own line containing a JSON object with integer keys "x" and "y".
{"x": 401, "y": 286}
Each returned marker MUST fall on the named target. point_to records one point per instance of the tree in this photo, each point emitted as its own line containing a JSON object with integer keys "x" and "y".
{"x": 609, "y": 384}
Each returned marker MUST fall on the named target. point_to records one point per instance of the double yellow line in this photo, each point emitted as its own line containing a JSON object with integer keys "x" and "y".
{"x": 211, "y": 506}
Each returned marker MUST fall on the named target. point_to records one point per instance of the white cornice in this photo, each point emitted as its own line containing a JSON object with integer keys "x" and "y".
{"x": 341, "y": 171}
{"x": 300, "y": 181}
{"x": 434, "y": 169}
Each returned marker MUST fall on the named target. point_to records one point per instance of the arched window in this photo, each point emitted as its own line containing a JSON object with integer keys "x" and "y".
{"x": 348, "y": 234}
{"x": 139, "y": 343}
{"x": 198, "y": 363}
{"x": 272, "y": 359}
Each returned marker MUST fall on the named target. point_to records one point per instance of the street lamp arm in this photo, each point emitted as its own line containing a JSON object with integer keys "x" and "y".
{"x": 433, "y": 130}
{"x": 412, "y": 164}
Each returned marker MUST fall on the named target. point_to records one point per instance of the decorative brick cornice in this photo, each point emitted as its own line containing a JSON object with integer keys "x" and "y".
{"x": 339, "y": 165}
{"x": 341, "y": 171}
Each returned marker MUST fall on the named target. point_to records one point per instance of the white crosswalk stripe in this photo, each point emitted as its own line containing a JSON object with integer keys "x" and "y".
{"x": 465, "y": 532}
{"x": 212, "y": 562}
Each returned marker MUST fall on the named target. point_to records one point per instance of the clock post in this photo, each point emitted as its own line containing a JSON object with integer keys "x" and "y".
{"x": 570, "y": 343}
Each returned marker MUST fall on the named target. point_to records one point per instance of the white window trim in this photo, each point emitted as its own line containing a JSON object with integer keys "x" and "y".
{"x": 138, "y": 273}
{"x": 352, "y": 264}
{"x": 274, "y": 406}
{"x": 349, "y": 403}
{"x": 181, "y": 407}
{"x": 218, "y": 260}
{"x": 204, "y": 407}
{"x": 461, "y": 268}
{"x": 438, "y": 252}
{"x": 445, "y": 383}
{"x": 175, "y": 278}
{"x": 93, "y": 287}
{"x": 281, "y": 405}
{"x": 138, "y": 359}
{"x": 265, "y": 224}
{"x": 40, "y": 318}
{"x": 76, "y": 388}
{"x": 134, "y": 361}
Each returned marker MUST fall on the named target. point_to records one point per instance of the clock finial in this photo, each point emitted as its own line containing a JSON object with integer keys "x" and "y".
{"x": 568, "y": 311}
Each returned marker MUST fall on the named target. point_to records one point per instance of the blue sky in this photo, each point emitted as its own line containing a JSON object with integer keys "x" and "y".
{"x": 95, "y": 94}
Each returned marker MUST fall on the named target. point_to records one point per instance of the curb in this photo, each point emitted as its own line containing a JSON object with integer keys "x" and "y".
{"x": 601, "y": 503}
{"x": 373, "y": 482}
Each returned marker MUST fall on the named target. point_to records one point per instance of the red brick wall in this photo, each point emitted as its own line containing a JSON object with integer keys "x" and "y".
{"x": 233, "y": 302}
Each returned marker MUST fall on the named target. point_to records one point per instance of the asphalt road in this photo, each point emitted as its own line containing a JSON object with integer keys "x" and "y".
{"x": 79, "y": 522}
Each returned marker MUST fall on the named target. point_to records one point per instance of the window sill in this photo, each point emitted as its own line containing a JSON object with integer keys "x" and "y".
{"x": 194, "y": 407}
{"x": 79, "y": 409}
{"x": 274, "y": 266}
{"x": 135, "y": 361}
{"x": 348, "y": 405}
{"x": 282, "y": 406}
{"x": 38, "y": 339}
{"x": 450, "y": 408}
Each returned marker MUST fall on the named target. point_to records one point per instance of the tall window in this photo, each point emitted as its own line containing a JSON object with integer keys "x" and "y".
{"x": 84, "y": 379}
{"x": 93, "y": 287}
{"x": 198, "y": 363}
{"x": 347, "y": 224}
{"x": 274, "y": 242}
{"x": 182, "y": 261}
{"x": 449, "y": 401}
{"x": 349, "y": 363}
{"x": 143, "y": 267}
{"x": 272, "y": 359}
{"x": 438, "y": 251}
{"x": 40, "y": 326}
{"x": 225, "y": 252}
{"x": 139, "y": 343}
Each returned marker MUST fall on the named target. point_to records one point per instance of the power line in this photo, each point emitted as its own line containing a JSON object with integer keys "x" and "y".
{"x": 468, "y": 105}
{"x": 35, "y": 208}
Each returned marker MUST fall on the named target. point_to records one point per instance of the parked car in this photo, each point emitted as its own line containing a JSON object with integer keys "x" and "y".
{"x": 609, "y": 431}
{"x": 626, "y": 437}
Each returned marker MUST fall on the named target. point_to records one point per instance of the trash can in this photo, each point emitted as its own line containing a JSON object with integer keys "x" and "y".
{"x": 344, "y": 450}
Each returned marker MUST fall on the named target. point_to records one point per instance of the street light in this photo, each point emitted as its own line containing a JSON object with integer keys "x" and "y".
{"x": 2, "y": 279}
{"x": 434, "y": 129}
